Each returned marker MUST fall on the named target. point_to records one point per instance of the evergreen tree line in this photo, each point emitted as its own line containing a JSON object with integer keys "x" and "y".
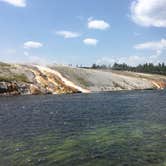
{"x": 145, "y": 68}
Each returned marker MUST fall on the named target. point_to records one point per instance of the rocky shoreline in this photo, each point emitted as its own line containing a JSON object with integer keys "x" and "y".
{"x": 15, "y": 88}
{"x": 35, "y": 80}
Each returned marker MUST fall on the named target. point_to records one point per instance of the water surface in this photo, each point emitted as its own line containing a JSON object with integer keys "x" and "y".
{"x": 107, "y": 129}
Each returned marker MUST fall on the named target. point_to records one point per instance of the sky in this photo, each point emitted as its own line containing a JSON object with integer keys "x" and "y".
{"x": 83, "y": 32}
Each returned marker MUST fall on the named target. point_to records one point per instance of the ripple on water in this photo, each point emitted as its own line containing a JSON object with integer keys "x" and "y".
{"x": 127, "y": 128}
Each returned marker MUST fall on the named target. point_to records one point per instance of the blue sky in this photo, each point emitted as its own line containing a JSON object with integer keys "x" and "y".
{"x": 83, "y": 31}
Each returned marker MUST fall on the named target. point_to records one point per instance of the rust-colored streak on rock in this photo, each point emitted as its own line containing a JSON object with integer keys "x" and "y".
{"x": 50, "y": 83}
{"x": 34, "y": 90}
{"x": 159, "y": 84}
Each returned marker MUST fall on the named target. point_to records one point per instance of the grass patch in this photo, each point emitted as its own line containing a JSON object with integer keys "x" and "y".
{"x": 82, "y": 81}
{"x": 4, "y": 64}
{"x": 15, "y": 77}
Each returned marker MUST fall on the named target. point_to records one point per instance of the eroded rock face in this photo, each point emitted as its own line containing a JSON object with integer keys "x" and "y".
{"x": 49, "y": 83}
{"x": 25, "y": 80}
{"x": 34, "y": 90}
{"x": 9, "y": 88}
{"x": 3, "y": 87}
{"x": 161, "y": 84}
{"x": 14, "y": 88}
{"x": 34, "y": 80}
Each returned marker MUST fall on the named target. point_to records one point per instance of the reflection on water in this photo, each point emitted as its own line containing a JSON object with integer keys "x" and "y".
{"x": 120, "y": 128}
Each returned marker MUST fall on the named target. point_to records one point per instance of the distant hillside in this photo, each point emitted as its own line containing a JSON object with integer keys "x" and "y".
{"x": 32, "y": 79}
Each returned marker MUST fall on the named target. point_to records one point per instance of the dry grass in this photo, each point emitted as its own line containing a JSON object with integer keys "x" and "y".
{"x": 15, "y": 77}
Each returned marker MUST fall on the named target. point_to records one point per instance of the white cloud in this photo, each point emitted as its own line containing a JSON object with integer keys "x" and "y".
{"x": 32, "y": 44}
{"x": 68, "y": 34}
{"x": 153, "y": 45}
{"x": 90, "y": 41}
{"x": 36, "y": 59}
{"x": 105, "y": 61}
{"x": 157, "y": 46}
{"x": 98, "y": 24}
{"x": 149, "y": 12}
{"x": 131, "y": 60}
{"x": 17, "y": 3}
{"x": 134, "y": 60}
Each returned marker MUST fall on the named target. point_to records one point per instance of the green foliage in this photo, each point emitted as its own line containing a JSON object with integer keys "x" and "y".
{"x": 4, "y": 64}
{"x": 145, "y": 68}
{"x": 15, "y": 77}
{"x": 7, "y": 75}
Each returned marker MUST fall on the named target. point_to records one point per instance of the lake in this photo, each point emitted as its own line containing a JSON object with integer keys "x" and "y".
{"x": 103, "y": 129}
